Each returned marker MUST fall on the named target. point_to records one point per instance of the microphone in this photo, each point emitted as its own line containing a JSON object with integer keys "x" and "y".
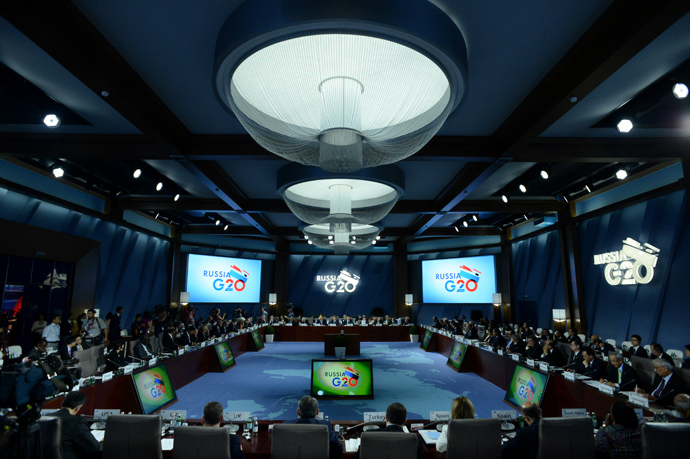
{"x": 621, "y": 386}
{"x": 347, "y": 429}
{"x": 114, "y": 363}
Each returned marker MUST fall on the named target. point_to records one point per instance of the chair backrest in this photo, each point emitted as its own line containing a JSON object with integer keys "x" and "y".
{"x": 648, "y": 348}
{"x": 388, "y": 445}
{"x": 644, "y": 368}
{"x": 51, "y": 437}
{"x": 675, "y": 353}
{"x": 583, "y": 338}
{"x": 673, "y": 439}
{"x": 625, "y": 345}
{"x": 565, "y": 438}
{"x": 14, "y": 351}
{"x": 132, "y": 436}
{"x": 612, "y": 342}
{"x": 201, "y": 443}
{"x": 565, "y": 349}
{"x": 474, "y": 438}
{"x": 299, "y": 441}
{"x": 539, "y": 330}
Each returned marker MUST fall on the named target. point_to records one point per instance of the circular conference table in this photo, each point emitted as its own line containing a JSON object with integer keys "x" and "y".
{"x": 118, "y": 393}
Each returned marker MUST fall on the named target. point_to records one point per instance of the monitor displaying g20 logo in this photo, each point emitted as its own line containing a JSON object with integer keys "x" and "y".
{"x": 223, "y": 280}
{"x": 459, "y": 280}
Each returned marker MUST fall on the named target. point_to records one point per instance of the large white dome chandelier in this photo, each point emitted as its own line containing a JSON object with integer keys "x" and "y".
{"x": 341, "y": 87}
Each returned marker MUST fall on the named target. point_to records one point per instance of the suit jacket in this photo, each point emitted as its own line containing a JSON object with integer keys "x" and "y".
{"x": 674, "y": 387}
{"x": 184, "y": 339}
{"x": 554, "y": 358}
{"x": 595, "y": 370}
{"x": 114, "y": 361}
{"x": 575, "y": 359}
{"x": 518, "y": 347}
{"x": 497, "y": 341}
{"x": 394, "y": 428}
{"x": 114, "y": 328}
{"x": 77, "y": 440}
{"x": 335, "y": 446}
{"x": 628, "y": 379}
{"x": 65, "y": 353}
{"x": 533, "y": 352}
{"x": 668, "y": 358}
{"x": 524, "y": 445}
{"x": 140, "y": 352}
{"x": 640, "y": 352}
{"x": 235, "y": 447}
{"x": 472, "y": 333}
{"x": 168, "y": 343}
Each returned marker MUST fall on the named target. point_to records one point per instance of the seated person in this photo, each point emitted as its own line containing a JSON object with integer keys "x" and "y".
{"x": 437, "y": 323}
{"x": 168, "y": 343}
{"x": 572, "y": 334}
{"x": 212, "y": 417}
{"x": 620, "y": 437}
{"x": 686, "y": 357}
{"x": 532, "y": 350}
{"x": 462, "y": 408}
{"x": 334, "y": 320}
{"x": 307, "y": 409}
{"x": 601, "y": 347}
{"x": 304, "y": 322}
{"x": 658, "y": 353}
{"x": 115, "y": 358}
{"x": 67, "y": 351}
{"x": 552, "y": 355}
{"x": 39, "y": 350}
{"x": 619, "y": 374}
{"x": 77, "y": 440}
{"x": 575, "y": 358}
{"x": 516, "y": 344}
{"x": 142, "y": 352}
{"x": 667, "y": 384}
{"x": 184, "y": 338}
{"x": 637, "y": 350}
{"x": 471, "y": 332}
{"x": 526, "y": 440}
{"x": 497, "y": 340}
{"x": 396, "y": 416}
{"x": 682, "y": 404}
{"x": 591, "y": 366}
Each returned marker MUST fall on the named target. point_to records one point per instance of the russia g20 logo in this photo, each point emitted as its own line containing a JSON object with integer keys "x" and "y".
{"x": 633, "y": 264}
{"x": 466, "y": 280}
{"x": 344, "y": 282}
{"x": 233, "y": 280}
{"x": 155, "y": 386}
{"x": 527, "y": 388}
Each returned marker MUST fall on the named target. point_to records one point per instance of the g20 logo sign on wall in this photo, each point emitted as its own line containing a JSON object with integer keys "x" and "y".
{"x": 233, "y": 280}
{"x": 223, "y": 280}
{"x": 342, "y": 283}
{"x": 633, "y": 264}
{"x": 465, "y": 280}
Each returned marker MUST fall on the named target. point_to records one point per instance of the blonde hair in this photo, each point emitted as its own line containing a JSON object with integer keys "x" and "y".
{"x": 462, "y": 408}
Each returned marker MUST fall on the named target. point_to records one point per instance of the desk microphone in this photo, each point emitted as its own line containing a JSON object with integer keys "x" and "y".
{"x": 137, "y": 358}
{"x": 114, "y": 363}
{"x": 621, "y": 386}
{"x": 347, "y": 429}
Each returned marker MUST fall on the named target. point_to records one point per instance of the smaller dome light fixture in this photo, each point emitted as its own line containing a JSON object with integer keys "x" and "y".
{"x": 624, "y": 126}
{"x": 680, "y": 90}
{"x": 51, "y": 120}
{"x": 360, "y": 237}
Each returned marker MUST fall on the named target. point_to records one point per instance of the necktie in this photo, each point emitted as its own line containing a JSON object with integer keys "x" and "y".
{"x": 658, "y": 392}
{"x": 620, "y": 374}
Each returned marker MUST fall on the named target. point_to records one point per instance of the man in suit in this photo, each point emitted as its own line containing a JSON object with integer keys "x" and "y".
{"x": 619, "y": 374}
{"x": 552, "y": 355}
{"x": 396, "y": 416}
{"x": 115, "y": 326}
{"x": 77, "y": 440}
{"x": 572, "y": 334}
{"x": 212, "y": 417}
{"x": 471, "y": 332}
{"x": 39, "y": 350}
{"x": 658, "y": 353}
{"x": 168, "y": 345}
{"x": 532, "y": 350}
{"x": 115, "y": 358}
{"x": 575, "y": 354}
{"x": 516, "y": 344}
{"x": 591, "y": 366}
{"x": 526, "y": 440}
{"x": 307, "y": 409}
{"x": 497, "y": 340}
{"x": 67, "y": 351}
{"x": 600, "y": 346}
{"x": 142, "y": 352}
{"x": 637, "y": 350}
{"x": 666, "y": 384}
{"x": 334, "y": 320}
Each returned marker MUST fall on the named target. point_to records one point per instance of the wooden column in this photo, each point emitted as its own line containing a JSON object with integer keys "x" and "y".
{"x": 506, "y": 283}
{"x": 572, "y": 273}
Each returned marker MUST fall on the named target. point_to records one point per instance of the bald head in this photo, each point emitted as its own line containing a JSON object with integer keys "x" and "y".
{"x": 530, "y": 411}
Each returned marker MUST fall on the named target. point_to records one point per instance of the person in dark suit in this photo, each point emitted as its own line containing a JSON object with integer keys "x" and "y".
{"x": 142, "y": 352}
{"x": 666, "y": 384}
{"x": 168, "y": 344}
{"x": 526, "y": 441}
{"x": 39, "y": 350}
{"x": 471, "y": 332}
{"x": 572, "y": 334}
{"x": 591, "y": 366}
{"x": 396, "y": 416}
{"x": 334, "y": 320}
{"x": 185, "y": 339}
{"x": 552, "y": 355}
{"x": 115, "y": 358}
{"x": 516, "y": 344}
{"x": 601, "y": 347}
{"x": 619, "y": 374}
{"x": 115, "y": 326}
{"x": 307, "y": 409}
{"x": 532, "y": 350}
{"x": 637, "y": 350}
{"x": 497, "y": 340}
{"x": 77, "y": 440}
{"x": 212, "y": 417}
{"x": 575, "y": 358}
{"x": 67, "y": 351}
{"x": 658, "y": 353}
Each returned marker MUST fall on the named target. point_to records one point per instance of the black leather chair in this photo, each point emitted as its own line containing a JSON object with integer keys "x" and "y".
{"x": 299, "y": 441}
{"x": 388, "y": 445}
{"x": 51, "y": 437}
{"x": 133, "y": 436}
{"x": 566, "y": 438}
{"x": 665, "y": 440}
{"x": 474, "y": 438}
{"x": 201, "y": 443}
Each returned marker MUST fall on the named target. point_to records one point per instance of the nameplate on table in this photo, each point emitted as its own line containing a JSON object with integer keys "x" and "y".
{"x": 129, "y": 368}
{"x": 638, "y": 399}
{"x": 236, "y": 416}
{"x": 438, "y": 416}
{"x": 317, "y": 324}
{"x": 153, "y": 361}
{"x": 530, "y": 362}
{"x": 103, "y": 415}
{"x": 503, "y": 415}
{"x": 515, "y": 357}
{"x": 181, "y": 351}
{"x": 573, "y": 412}
{"x": 107, "y": 376}
{"x": 363, "y": 325}
{"x": 375, "y": 416}
{"x": 544, "y": 366}
{"x": 500, "y": 352}
{"x": 605, "y": 388}
{"x": 570, "y": 375}
{"x": 172, "y": 415}
{"x": 288, "y": 325}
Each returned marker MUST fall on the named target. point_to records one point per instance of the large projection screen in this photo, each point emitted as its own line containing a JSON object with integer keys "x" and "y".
{"x": 223, "y": 280}
{"x": 459, "y": 280}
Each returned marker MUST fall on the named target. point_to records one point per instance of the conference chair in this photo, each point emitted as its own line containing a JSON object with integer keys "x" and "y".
{"x": 612, "y": 342}
{"x": 201, "y": 443}
{"x": 14, "y": 351}
{"x": 582, "y": 337}
{"x": 474, "y": 438}
{"x": 677, "y": 356}
{"x": 299, "y": 441}
{"x": 672, "y": 439}
{"x": 388, "y": 445}
{"x": 132, "y": 436}
{"x": 644, "y": 368}
{"x": 565, "y": 438}
{"x": 625, "y": 345}
{"x": 51, "y": 437}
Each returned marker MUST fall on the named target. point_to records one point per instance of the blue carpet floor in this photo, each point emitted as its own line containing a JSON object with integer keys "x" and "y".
{"x": 270, "y": 383}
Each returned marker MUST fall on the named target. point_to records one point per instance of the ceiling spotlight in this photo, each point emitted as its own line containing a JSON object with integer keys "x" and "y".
{"x": 217, "y": 222}
{"x": 456, "y": 229}
{"x": 624, "y": 125}
{"x": 525, "y": 217}
{"x": 588, "y": 188}
{"x": 475, "y": 218}
{"x": 330, "y": 238}
{"x": 52, "y": 121}
{"x": 378, "y": 237}
{"x": 544, "y": 174}
{"x": 465, "y": 224}
{"x": 177, "y": 197}
{"x": 504, "y": 198}
{"x": 226, "y": 227}
{"x": 374, "y": 241}
{"x": 159, "y": 186}
{"x": 354, "y": 238}
{"x": 523, "y": 188}
{"x": 157, "y": 214}
{"x": 136, "y": 173}
{"x": 331, "y": 242}
{"x": 680, "y": 90}
{"x": 309, "y": 242}
{"x": 561, "y": 198}
{"x": 621, "y": 174}
{"x": 58, "y": 172}
{"x": 353, "y": 242}
{"x": 306, "y": 237}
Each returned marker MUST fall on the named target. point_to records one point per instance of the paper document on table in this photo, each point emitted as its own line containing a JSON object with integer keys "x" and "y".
{"x": 167, "y": 444}
{"x": 594, "y": 384}
{"x": 430, "y": 437}
{"x": 352, "y": 445}
{"x": 98, "y": 435}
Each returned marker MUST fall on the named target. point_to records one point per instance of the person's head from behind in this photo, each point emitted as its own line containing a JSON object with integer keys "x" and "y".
{"x": 657, "y": 349}
{"x": 73, "y": 401}
{"x": 213, "y": 414}
{"x": 462, "y": 408}
{"x": 396, "y": 413}
{"x": 530, "y": 411}
{"x": 624, "y": 415}
{"x": 308, "y": 407}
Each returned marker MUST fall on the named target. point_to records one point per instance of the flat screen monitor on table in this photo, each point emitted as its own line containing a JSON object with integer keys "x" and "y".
{"x": 154, "y": 389}
{"x": 225, "y": 356}
{"x": 527, "y": 385}
{"x": 258, "y": 341}
{"x": 426, "y": 339}
{"x": 342, "y": 379}
{"x": 456, "y": 356}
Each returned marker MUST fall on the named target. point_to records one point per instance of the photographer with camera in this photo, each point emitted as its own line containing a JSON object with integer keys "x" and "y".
{"x": 93, "y": 329}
